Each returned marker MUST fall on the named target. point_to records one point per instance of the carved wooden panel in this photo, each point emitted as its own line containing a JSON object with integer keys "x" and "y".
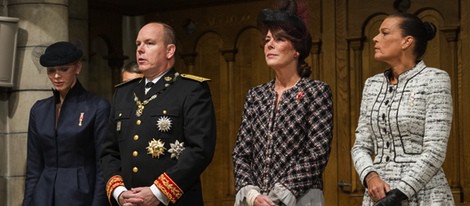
{"x": 210, "y": 63}
{"x": 223, "y": 44}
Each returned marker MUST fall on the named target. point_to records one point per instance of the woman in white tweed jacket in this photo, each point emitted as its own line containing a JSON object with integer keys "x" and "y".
{"x": 405, "y": 120}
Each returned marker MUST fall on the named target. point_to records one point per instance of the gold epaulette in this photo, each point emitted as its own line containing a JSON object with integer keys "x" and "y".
{"x": 126, "y": 82}
{"x": 194, "y": 77}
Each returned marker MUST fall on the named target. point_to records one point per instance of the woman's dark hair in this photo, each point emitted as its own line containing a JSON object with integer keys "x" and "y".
{"x": 286, "y": 23}
{"x": 415, "y": 27}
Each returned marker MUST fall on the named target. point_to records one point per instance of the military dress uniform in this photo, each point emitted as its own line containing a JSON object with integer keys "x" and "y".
{"x": 165, "y": 137}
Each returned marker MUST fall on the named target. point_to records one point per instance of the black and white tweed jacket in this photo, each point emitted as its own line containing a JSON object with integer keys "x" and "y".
{"x": 290, "y": 145}
{"x": 403, "y": 131}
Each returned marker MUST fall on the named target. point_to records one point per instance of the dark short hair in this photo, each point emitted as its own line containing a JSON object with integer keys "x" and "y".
{"x": 413, "y": 26}
{"x": 131, "y": 67}
{"x": 60, "y": 53}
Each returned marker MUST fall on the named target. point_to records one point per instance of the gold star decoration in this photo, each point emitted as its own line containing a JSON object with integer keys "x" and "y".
{"x": 156, "y": 148}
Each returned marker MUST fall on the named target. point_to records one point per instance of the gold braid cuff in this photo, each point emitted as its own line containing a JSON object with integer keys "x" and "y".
{"x": 168, "y": 187}
{"x": 113, "y": 182}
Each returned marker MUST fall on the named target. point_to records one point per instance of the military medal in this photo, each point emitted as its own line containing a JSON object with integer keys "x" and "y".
{"x": 141, "y": 105}
{"x": 156, "y": 148}
{"x": 164, "y": 124}
{"x": 176, "y": 149}
{"x": 118, "y": 126}
{"x": 80, "y": 120}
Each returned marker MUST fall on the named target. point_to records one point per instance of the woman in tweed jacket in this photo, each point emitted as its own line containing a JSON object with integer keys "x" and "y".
{"x": 284, "y": 139}
{"x": 405, "y": 120}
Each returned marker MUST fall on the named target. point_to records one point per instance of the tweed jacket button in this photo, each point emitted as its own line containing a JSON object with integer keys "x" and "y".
{"x": 135, "y": 169}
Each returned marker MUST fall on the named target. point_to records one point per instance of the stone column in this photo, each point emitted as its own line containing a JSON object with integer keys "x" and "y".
{"x": 42, "y": 22}
{"x": 78, "y": 34}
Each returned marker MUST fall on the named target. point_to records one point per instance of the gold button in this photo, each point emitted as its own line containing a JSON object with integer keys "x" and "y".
{"x": 136, "y": 137}
{"x": 135, "y": 153}
{"x": 138, "y": 122}
{"x": 164, "y": 111}
{"x": 135, "y": 169}
{"x": 120, "y": 114}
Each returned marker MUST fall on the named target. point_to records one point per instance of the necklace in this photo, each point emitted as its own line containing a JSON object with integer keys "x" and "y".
{"x": 141, "y": 104}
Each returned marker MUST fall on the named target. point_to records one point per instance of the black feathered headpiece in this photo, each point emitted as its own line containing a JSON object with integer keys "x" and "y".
{"x": 286, "y": 19}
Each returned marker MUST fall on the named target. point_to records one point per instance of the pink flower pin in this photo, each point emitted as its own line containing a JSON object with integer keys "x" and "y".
{"x": 299, "y": 96}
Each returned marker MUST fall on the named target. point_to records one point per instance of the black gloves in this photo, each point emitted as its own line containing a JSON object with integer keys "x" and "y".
{"x": 393, "y": 198}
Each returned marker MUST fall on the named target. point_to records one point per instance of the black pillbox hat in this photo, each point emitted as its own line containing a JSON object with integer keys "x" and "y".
{"x": 60, "y": 53}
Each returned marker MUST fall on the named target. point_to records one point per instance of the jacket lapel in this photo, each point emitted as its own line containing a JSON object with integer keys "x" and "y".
{"x": 139, "y": 90}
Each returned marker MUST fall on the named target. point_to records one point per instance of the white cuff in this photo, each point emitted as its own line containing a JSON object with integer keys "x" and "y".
{"x": 159, "y": 195}
{"x": 117, "y": 192}
{"x": 251, "y": 196}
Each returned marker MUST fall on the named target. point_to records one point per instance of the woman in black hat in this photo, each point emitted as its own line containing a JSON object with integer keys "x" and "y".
{"x": 65, "y": 135}
{"x": 283, "y": 143}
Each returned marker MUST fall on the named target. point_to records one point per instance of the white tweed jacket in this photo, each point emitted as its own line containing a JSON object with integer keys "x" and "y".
{"x": 403, "y": 130}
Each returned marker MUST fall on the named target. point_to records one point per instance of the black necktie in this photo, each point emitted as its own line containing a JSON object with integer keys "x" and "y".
{"x": 149, "y": 85}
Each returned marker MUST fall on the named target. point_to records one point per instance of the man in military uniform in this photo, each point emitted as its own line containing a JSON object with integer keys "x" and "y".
{"x": 162, "y": 129}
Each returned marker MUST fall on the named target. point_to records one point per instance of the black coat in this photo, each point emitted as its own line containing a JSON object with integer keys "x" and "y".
{"x": 187, "y": 105}
{"x": 63, "y": 166}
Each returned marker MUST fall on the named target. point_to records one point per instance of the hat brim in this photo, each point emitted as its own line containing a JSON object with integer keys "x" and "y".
{"x": 60, "y": 53}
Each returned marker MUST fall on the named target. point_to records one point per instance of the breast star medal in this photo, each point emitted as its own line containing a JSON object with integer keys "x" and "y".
{"x": 176, "y": 149}
{"x": 164, "y": 124}
{"x": 156, "y": 148}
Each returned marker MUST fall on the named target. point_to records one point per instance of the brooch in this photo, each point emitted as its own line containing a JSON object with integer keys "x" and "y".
{"x": 299, "y": 96}
{"x": 156, "y": 148}
{"x": 80, "y": 120}
{"x": 411, "y": 101}
{"x": 164, "y": 124}
{"x": 176, "y": 149}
